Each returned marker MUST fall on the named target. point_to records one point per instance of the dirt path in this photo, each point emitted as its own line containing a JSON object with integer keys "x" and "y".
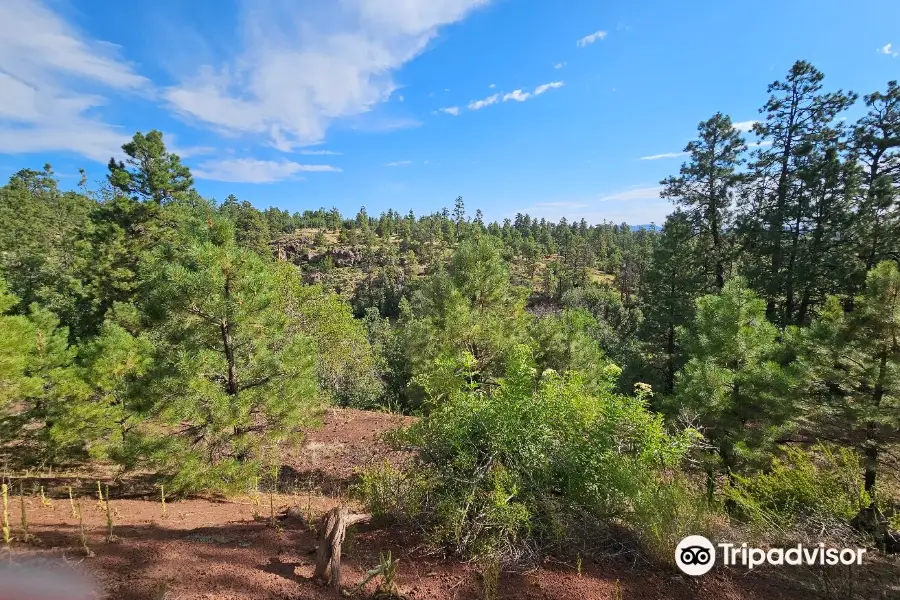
{"x": 204, "y": 549}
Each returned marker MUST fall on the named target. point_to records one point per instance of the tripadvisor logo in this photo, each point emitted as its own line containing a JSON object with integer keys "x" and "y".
{"x": 696, "y": 555}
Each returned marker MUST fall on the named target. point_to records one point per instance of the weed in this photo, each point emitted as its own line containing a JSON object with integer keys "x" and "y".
{"x": 255, "y": 498}
{"x": 25, "y": 535}
{"x": 387, "y": 570}
{"x": 7, "y": 539}
{"x": 110, "y": 538}
{"x": 162, "y": 499}
{"x": 72, "y": 503}
{"x": 388, "y": 584}
{"x": 45, "y": 501}
{"x": 617, "y": 591}
{"x": 100, "y": 496}
{"x": 272, "y": 521}
{"x": 578, "y": 565}
{"x": 84, "y": 547}
{"x": 490, "y": 576}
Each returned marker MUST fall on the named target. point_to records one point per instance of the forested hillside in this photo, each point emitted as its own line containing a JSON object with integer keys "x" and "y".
{"x": 740, "y": 363}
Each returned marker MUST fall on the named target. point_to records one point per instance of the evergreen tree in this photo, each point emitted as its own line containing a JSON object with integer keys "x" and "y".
{"x": 854, "y": 370}
{"x": 150, "y": 172}
{"x": 774, "y": 206}
{"x": 876, "y": 140}
{"x": 674, "y": 281}
{"x": 734, "y": 385}
{"x": 233, "y": 373}
{"x": 706, "y": 186}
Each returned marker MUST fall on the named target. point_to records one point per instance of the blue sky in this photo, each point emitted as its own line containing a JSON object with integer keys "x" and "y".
{"x": 552, "y": 107}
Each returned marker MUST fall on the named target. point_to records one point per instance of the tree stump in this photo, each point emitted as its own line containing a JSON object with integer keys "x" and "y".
{"x": 332, "y": 529}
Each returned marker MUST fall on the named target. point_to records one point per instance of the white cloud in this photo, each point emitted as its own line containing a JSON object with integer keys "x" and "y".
{"x": 634, "y": 205}
{"x": 888, "y": 50}
{"x": 173, "y": 146}
{"x": 399, "y": 163}
{"x": 664, "y": 155}
{"x": 251, "y": 170}
{"x": 763, "y": 144}
{"x": 744, "y": 125}
{"x": 492, "y": 86}
{"x": 559, "y": 65}
{"x": 633, "y": 194}
{"x": 517, "y": 95}
{"x": 478, "y": 104}
{"x": 566, "y": 204}
{"x": 52, "y": 77}
{"x": 303, "y": 65}
{"x": 450, "y": 110}
{"x": 400, "y": 98}
{"x": 547, "y": 86}
{"x": 590, "y": 39}
{"x": 308, "y": 152}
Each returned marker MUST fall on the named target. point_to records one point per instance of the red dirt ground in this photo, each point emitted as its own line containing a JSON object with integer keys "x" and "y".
{"x": 218, "y": 550}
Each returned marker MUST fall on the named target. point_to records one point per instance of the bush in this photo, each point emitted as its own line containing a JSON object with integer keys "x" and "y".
{"x": 388, "y": 491}
{"x": 803, "y": 488}
{"x": 666, "y": 514}
{"x": 507, "y": 470}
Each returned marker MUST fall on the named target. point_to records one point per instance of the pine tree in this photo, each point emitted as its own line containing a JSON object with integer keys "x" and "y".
{"x": 674, "y": 281}
{"x": 876, "y": 140}
{"x": 853, "y": 396}
{"x": 734, "y": 385}
{"x": 774, "y": 206}
{"x": 150, "y": 172}
{"x": 233, "y": 373}
{"x": 707, "y": 186}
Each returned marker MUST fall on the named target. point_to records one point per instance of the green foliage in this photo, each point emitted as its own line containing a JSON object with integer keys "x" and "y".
{"x": 802, "y": 487}
{"x": 667, "y": 513}
{"x": 150, "y": 173}
{"x": 853, "y": 361}
{"x": 735, "y": 386}
{"x": 345, "y": 364}
{"x": 470, "y": 309}
{"x": 504, "y": 467}
{"x": 566, "y": 342}
{"x": 233, "y": 374}
{"x": 390, "y": 492}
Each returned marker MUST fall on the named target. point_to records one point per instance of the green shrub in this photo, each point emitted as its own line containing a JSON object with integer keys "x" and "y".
{"x": 509, "y": 469}
{"x": 388, "y": 491}
{"x": 666, "y": 514}
{"x": 823, "y": 484}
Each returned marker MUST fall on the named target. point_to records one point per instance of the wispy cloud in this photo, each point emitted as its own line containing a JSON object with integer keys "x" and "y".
{"x": 568, "y": 204}
{"x": 492, "y": 86}
{"x": 478, "y": 104}
{"x": 521, "y": 96}
{"x": 547, "y": 86}
{"x": 308, "y": 152}
{"x": 517, "y": 95}
{"x": 399, "y": 163}
{"x": 744, "y": 125}
{"x": 888, "y": 50}
{"x": 296, "y": 71}
{"x": 633, "y": 194}
{"x": 450, "y": 110}
{"x": 52, "y": 82}
{"x": 174, "y": 147}
{"x": 251, "y": 170}
{"x": 559, "y": 65}
{"x": 664, "y": 155}
{"x": 762, "y": 144}
{"x": 590, "y": 39}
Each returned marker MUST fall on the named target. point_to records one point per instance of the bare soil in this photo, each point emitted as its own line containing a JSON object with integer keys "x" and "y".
{"x": 228, "y": 549}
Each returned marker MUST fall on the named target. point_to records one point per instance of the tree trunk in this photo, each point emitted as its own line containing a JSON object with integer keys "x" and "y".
{"x": 332, "y": 529}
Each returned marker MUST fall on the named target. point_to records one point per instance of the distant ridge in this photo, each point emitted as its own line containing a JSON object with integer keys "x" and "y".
{"x": 648, "y": 226}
